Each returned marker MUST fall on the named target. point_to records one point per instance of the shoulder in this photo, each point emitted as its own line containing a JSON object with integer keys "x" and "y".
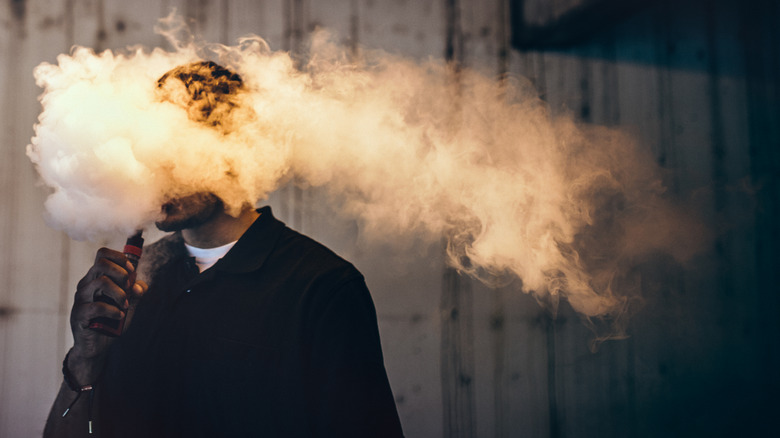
{"x": 315, "y": 272}
{"x": 160, "y": 253}
{"x": 312, "y": 257}
{"x": 332, "y": 290}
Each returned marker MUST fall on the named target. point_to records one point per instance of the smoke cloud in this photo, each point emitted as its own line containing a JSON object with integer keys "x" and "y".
{"x": 402, "y": 146}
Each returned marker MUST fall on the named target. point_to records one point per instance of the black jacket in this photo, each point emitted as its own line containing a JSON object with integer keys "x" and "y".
{"x": 278, "y": 339}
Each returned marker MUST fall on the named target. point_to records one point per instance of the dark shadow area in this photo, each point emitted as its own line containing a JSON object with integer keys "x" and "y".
{"x": 703, "y": 352}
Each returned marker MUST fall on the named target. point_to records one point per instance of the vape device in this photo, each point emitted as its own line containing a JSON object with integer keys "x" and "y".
{"x": 114, "y": 327}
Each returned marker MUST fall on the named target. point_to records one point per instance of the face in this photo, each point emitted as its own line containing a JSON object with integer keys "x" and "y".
{"x": 188, "y": 211}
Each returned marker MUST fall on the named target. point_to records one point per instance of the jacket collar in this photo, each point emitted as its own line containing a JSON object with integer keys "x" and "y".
{"x": 254, "y": 246}
{"x": 248, "y": 254}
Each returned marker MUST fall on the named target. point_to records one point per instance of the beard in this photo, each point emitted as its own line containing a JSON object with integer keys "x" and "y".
{"x": 188, "y": 211}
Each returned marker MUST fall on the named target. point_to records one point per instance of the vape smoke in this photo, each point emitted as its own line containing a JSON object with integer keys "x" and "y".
{"x": 403, "y": 146}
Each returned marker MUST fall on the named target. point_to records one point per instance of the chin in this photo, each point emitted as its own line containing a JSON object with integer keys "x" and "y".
{"x": 190, "y": 212}
{"x": 169, "y": 226}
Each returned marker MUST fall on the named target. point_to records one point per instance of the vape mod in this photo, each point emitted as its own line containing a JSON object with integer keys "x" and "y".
{"x": 114, "y": 327}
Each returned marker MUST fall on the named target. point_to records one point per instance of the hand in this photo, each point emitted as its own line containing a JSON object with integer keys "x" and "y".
{"x": 108, "y": 278}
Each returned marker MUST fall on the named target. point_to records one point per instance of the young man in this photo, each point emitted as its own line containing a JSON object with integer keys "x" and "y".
{"x": 246, "y": 328}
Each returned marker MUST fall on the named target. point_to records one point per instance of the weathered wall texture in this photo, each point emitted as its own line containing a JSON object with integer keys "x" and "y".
{"x": 695, "y": 82}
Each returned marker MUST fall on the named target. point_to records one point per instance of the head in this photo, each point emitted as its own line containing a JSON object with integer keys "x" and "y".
{"x": 210, "y": 94}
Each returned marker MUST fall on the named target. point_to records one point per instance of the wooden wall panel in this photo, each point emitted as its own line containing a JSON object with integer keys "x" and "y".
{"x": 32, "y": 257}
{"x": 105, "y": 24}
{"x": 457, "y": 357}
{"x": 411, "y": 28}
{"x": 762, "y": 63}
{"x": 638, "y": 81}
{"x": 9, "y": 36}
{"x": 592, "y": 392}
{"x": 671, "y": 84}
{"x": 411, "y": 348}
{"x": 262, "y": 18}
{"x": 736, "y": 278}
{"x": 405, "y": 282}
{"x": 522, "y": 393}
{"x": 692, "y": 297}
{"x": 338, "y": 16}
{"x": 207, "y": 18}
{"x": 505, "y": 323}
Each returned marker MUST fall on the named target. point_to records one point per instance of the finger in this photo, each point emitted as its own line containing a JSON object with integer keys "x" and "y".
{"x": 110, "y": 290}
{"x": 138, "y": 290}
{"x": 83, "y": 314}
{"x": 110, "y": 254}
{"x": 108, "y": 262}
{"x": 117, "y": 272}
{"x": 100, "y": 289}
{"x": 107, "y": 268}
{"x": 85, "y": 292}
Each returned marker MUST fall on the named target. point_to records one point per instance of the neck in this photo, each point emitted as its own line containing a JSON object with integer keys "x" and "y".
{"x": 221, "y": 229}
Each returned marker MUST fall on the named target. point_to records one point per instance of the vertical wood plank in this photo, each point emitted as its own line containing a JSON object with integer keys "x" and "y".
{"x": 106, "y": 24}
{"x": 207, "y": 18}
{"x": 695, "y": 295}
{"x": 268, "y": 20}
{"x": 318, "y": 218}
{"x": 405, "y": 283}
{"x": 9, "y": 35}
{"x": 603, "y": 103}
{"x": 259, "y": 18}
{"x": 31, "y": 250}
{"x": 638, "y": 82}
{"x": 729, "y": 131}
{"x": 476, "y": 26}
{"x": 601, "y": 404}
{"x": 758, "y": 24}
{"x": 411, "y": 28}
{"x": 484, "y": 33}
{"x": 559, "y": 73}
{"x": 457, "y": 356}
{"x": 336, "y": 16}
{"x": 526, "y": 399}
{"x": 289, "y": 199}
{"x": 531, "y": 395}
{"x": 456, "y": 308}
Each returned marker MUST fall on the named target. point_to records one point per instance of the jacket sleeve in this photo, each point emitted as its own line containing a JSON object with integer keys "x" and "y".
{"x": 350, "y": 395}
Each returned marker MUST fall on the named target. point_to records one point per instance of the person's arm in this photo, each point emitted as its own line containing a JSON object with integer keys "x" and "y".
{"x": 72, "y": 413}
{"x": 352, "y": 395}
{"x": 108, "y": 278}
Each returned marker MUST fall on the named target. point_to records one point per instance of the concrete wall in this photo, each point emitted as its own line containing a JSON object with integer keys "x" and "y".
{"x": 695, "y": 82}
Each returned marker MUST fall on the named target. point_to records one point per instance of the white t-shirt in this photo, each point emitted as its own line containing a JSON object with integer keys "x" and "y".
{"x": 207, "y": 257}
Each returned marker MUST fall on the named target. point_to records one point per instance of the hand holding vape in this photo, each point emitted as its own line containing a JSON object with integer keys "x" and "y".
{"x": 113, "y": 327}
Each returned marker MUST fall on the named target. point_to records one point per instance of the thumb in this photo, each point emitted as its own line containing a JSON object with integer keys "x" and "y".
{"x": 137, "y": 291}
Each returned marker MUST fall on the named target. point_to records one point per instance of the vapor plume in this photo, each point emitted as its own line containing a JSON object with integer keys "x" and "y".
{"x": 402, "y": 146}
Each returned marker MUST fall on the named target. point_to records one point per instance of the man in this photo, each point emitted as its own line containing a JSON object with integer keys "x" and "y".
{"x": 246, "y": 327}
